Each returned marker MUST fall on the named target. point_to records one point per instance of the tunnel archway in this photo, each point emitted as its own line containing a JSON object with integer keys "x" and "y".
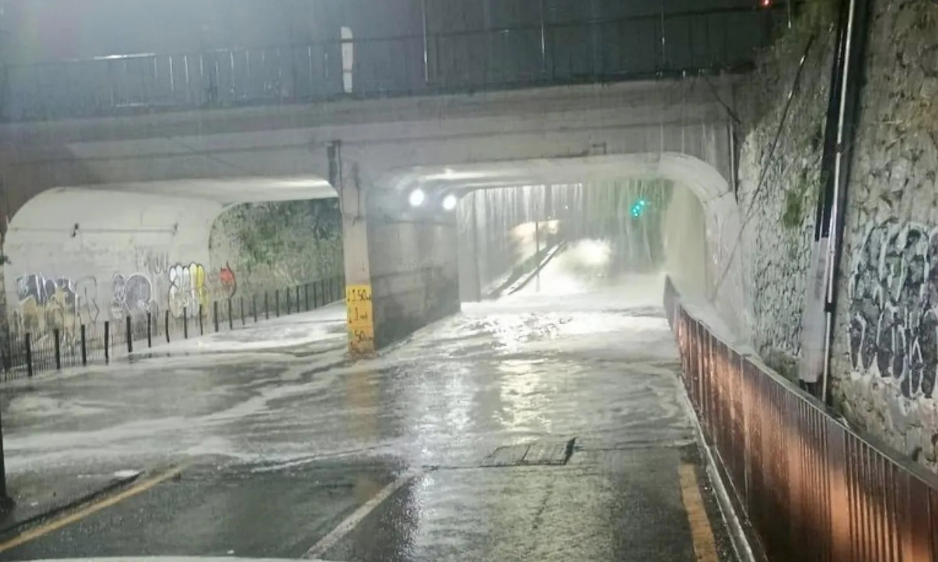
{"x": 721, "y": 218}
{"x": 85, "y": 255}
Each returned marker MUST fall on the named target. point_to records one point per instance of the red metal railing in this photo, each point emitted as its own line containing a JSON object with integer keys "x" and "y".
{"x": 813, "y": 489}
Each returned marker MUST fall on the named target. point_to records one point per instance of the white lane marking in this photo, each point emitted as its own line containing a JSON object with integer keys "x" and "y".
{"x": 352, "y": 521}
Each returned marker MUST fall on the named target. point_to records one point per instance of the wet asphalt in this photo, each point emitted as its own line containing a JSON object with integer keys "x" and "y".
{"x": 294, "y": 451}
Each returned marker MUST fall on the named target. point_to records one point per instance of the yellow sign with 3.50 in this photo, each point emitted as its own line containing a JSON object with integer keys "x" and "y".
{"x": 361, "y": 326}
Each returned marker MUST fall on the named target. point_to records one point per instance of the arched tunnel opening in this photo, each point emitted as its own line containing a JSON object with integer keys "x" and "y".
{"x": 159, "y": 252}
{"x": 155, "y": 257}
{"x": 572, "y": 239}
{"x": 564, "y": 226}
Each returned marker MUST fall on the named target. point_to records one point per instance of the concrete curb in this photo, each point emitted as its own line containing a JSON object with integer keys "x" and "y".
{"x": 14, "y": 528}
{"x": 728, "y": 509}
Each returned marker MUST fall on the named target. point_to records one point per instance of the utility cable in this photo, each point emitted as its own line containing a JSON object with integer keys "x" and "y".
{"x": 765, "y": 169}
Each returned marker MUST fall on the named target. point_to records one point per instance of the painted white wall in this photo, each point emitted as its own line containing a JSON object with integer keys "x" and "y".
{"x": 118, "y": 253}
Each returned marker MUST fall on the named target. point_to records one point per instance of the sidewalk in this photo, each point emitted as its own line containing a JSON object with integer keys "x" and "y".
{"x": 81, "y": 433}
{"x": 323, "y": 328}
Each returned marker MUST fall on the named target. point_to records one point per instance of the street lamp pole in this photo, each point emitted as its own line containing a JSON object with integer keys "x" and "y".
{"x": 6, "y": 503}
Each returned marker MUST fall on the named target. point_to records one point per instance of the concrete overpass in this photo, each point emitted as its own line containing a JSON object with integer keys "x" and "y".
{"x": 172, "y": 174}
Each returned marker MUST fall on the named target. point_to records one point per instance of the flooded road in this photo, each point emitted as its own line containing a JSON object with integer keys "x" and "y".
{"x": 545, "y": 426}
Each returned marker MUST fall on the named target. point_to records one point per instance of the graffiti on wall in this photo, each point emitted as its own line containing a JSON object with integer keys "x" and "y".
{"x": 893, "y": 291}
{"x": 132, "y": 295}
{"x": 154, "y": 262}
{"x": 60, "y": 302}
{"x": 187, "y": 289}
{"x": 47, "y": 303}
{"x": 228, "y": 281}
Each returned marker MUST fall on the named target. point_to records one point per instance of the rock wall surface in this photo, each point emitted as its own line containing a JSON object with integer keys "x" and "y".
{"x": 778, "y": 190}
{"x": 886, "y": 336}
{"x": 276, "y": 245}
{"x": 885, "y": 355}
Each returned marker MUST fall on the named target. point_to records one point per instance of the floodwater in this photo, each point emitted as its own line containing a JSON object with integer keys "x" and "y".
{"x": 291, "y": 450}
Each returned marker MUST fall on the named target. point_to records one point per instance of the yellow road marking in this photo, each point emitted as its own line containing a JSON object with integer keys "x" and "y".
{"x": 705, "y": 546}
{"x": 65, "y": 520}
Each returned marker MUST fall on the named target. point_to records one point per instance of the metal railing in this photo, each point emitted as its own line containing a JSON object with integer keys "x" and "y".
{"x": 30, "y": 353}
{"x": 812, "y": 488}
{"x": 432, "y": 62}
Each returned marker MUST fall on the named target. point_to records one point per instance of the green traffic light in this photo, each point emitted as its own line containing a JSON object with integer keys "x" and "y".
{"x": 639, "y": 208}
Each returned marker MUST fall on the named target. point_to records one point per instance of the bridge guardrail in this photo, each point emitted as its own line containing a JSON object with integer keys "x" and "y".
{"x": 812, "y": 488}
{"x": 433, "y": 62}
{"x": 68, "y": 344}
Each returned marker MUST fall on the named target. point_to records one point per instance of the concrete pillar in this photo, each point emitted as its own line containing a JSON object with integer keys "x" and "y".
{"x": 400, "y": 265}
{"x": 358, "y": 291}
{"x": 414, "y": 270}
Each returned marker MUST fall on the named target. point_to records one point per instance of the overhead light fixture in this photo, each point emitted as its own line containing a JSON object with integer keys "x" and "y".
{"x": 449, "y": 202}
{"x": 417, "y": 198}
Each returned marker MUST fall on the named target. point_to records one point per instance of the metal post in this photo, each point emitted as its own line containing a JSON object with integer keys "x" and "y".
{"x": 201, "y": 320}
{"x": 426, "y": 48}
{"x": 215, "y": 314}
{"x": 230, "y": 316}
{"x": 166, "y": 324}
{"x": 107, "y": 341}
{"x": 266, "y": 306}
{"x": 297, "y": 298}
{"x": 29, "y": 355}
{"x": 149, "y": 329}
{"x": 57, "y": 341}
{"x": 130, "y": 336}
{"x": 242, "y": 312}
{"x": 306, "y": 291}
{"x": 277, "y": 302}
{"x": 185, "y": 323}
{"x": 543, "y": 38}
{"x": 84, "y": 347}
{"x": 254, "y": 307}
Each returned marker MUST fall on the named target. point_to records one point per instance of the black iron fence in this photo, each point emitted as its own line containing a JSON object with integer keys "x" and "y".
{"x": 544, "y": 53}
{"x": 813, "y": 488}
{"x": 32, "y": 353}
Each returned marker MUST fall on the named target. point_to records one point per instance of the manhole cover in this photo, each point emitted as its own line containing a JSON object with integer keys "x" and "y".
{"x": 538, "y": 453}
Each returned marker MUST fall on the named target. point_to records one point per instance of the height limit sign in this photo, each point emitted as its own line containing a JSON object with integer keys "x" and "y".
{"x": 361, "y": 327}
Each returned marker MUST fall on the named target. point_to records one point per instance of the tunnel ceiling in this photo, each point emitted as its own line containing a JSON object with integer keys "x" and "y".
{"x": 700, "y": 177}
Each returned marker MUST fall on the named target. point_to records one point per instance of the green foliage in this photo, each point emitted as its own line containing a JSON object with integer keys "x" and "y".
{"x": 263, "y": 230}
{"x": 793, "y": 212}
{"x": 798, "y": 200}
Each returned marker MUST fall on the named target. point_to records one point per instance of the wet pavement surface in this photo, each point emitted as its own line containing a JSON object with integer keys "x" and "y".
{"x": 293, "y": 451}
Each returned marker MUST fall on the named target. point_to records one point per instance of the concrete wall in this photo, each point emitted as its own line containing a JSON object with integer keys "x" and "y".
{"x": 277, "y": 245}
{"x": 414, "y": 273}
{"x": 81, "y": 256}
{"x": 885, "y": 356}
